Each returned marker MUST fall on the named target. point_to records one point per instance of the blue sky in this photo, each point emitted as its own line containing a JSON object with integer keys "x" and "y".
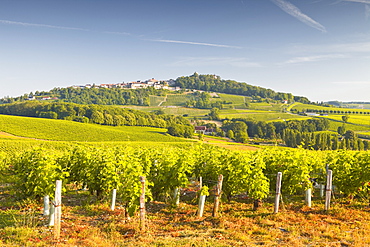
{"x": 314, "y": 48}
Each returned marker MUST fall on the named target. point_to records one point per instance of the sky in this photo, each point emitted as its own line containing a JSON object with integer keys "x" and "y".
{"x": 319, "y": 49}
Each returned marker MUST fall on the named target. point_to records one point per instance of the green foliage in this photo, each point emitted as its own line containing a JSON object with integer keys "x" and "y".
{"x": 4, "y": 167}
{"x": 230, "y": 134}
{"x": 101, "y": 169}
{"x": 36, "y": 172}
{"x": 204, "y": 191}
{"x": 297, "y": 167}
{"x": 214, "y": 114}
{"x": 216, "y": 84}
{"x": 243, "y": 172}
{"x": 178, "y": 130}
{"x": 170, "y": 170}
{"x": 99, "y": 96}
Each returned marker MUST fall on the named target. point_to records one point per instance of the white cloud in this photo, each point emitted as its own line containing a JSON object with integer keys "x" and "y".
{"x": 194, "y": 43}
{"x": 216, "y": 61}
{"x": 354, "y": 47}
{"x": 119, "y": 33}
{"x": 358, "y": 1}
{"x": 26, "y": 24}
{"x": 297, "y": 13}
{"x": 306, "y": 59}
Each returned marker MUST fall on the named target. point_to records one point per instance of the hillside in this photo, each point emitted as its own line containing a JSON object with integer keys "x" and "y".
{"x": 59, "y": 130}
{"x": 118, "y": 95}
{"x": 252, "y": 114}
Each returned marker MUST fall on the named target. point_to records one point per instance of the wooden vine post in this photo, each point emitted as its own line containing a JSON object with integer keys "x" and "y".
{"x": 329, "y": 180}
{"x": 142, "y": 204}
{"x": 58, "y": 208}
{"x": 217, "y": 195}
{"x": 278, "y": 192}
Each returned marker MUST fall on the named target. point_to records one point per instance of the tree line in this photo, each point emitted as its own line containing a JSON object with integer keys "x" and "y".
{"x": 324, "y": 140}
{"x": 98, "y": 114}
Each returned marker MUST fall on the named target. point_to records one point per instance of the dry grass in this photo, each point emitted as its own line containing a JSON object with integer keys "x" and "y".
{"x": 295, "y": 225}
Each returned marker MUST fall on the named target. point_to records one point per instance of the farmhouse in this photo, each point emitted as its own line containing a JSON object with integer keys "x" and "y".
{"x": 204, "y": 130}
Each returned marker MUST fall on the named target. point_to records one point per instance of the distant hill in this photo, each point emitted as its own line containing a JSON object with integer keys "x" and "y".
{"x": 101, "y": 95}
{"x": 216, "y": 84}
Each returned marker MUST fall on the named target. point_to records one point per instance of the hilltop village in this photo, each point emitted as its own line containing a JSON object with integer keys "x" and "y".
{"x": 167, "y": 84}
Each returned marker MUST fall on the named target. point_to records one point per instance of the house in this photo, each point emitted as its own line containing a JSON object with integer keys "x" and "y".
{"x": 31, "y": 98}
{"x": 200, "y": 129}
{"x": 210, "y": 131}
{"x": 204, "y": 130}
{"x": 136, "y": 85}
{"x": 152, "y": 81}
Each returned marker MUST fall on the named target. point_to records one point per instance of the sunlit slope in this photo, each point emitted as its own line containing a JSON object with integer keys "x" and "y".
{"x": 62, "y": 130}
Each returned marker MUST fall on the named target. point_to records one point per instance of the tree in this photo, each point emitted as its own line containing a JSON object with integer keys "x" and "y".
{"x": 241, "y": 137}
{"x": 345, "y": 118}
{"x": 97, "y": 117}
{"x": 201, "y": 136}
{"x": 230, "y": 134}
{"x": 214, "y": 114}
{"x": 342, "y": 129}
{"x": 350, "y": 135}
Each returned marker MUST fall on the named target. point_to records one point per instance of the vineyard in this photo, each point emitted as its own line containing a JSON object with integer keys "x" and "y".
{"x": 246, "y": 176}
{"x": 60, "y": 130}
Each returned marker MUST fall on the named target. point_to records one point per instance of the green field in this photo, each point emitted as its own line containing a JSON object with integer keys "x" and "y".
{"x": 62, "y": 130}
{"x": 177, "y": 99}
{"x": 236, "y": 101}
{"x": 331, "y": 110}
{"x": 354, "y": 119}
{"x": 355, "y": 122}
{"x": 156, "y": 100}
